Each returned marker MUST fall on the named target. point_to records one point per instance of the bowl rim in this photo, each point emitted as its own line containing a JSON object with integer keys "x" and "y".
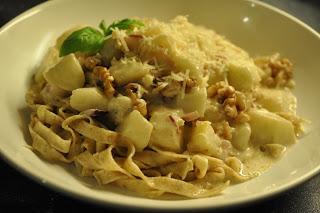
{"x": 117, "y": 204}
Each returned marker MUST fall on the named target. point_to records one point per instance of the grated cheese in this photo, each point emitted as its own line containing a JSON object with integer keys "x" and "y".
{"x": 191, "y": 47}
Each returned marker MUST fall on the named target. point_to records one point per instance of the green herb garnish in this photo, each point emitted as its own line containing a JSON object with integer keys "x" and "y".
{"x": 90, "y": 40}
{"x": 124, "y": 24}
{"x": 104, "y": 27}
{"x": 86, "y": 40}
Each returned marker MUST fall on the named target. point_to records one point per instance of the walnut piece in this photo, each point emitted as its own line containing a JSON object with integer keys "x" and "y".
{"x": 172, "y": 89}
{"x": 135, "y": 92}
{"x": 223, "y": 130}
{"x": 172, "y": 85}
{"x": 141, "y": 106}
{"x": 91, "y": 62}
{"x": 104, "y": 79}
{"x": 88, "y": 62}
{"x": 278, "y": 71}
{"x": 232, "y": 101}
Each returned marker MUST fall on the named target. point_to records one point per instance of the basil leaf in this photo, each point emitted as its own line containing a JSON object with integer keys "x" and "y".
{"x": 124, "y": 24}
{"x": 103, "y": 27}
{"x": 86, "y": 40}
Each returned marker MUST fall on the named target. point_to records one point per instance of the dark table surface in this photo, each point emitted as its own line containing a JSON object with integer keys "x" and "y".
{"x": 18, "y": 192}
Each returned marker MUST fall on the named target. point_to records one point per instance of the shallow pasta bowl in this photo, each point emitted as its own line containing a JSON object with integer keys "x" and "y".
{"x": 256, "y": 27}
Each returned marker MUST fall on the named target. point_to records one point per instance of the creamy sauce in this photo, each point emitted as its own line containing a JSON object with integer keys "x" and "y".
{"x": 256, "y": 161}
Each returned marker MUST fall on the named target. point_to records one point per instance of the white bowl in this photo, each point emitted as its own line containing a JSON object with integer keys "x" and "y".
{"x": 254, "y": 26}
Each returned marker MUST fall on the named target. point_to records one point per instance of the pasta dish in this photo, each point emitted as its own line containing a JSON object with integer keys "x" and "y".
{"x": 161, "y": 108}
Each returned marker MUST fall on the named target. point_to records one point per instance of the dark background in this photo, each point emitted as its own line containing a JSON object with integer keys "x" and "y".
{"x": 20, "y": 193}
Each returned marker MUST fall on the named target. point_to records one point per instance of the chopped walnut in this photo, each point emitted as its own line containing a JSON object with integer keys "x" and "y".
{"x": 190, "y": 83}
{"x": 223, "y": 129}
{"x": 242, "y": 117}
{"x": 177, "y": 122}
{"x": 91, "y": 62}
{"x": 158, "y": 86}
{"x": 104, "y": 79}
{"x": 232, "y": 101}
{"x": 141, "y": 106}
{"x": 171, "y": 85}
{"x": 278, "y": 71}
{"x": 230, "y": 110}
{"x": 135, "y": 92}
{"x": 167, "y": 86}
{"x": 172, "y": 89}
{"x": 220, "y": 89}
{"x": 88, "y": 62}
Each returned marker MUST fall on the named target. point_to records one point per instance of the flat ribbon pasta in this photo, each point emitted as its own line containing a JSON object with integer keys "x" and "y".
{"x": 150, "y": 173}
{"x": 46, "y": 116}
{"x": 50, "y": 136}
{"x": 93, "y": 132}
{"x": 190, "y": 190}
{"x": 39, "y": 144}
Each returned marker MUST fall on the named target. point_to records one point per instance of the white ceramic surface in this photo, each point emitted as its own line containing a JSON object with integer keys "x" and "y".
{"x": 256, "y": 27}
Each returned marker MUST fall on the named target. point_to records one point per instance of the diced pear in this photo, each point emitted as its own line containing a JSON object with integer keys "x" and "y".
{"x": 119, "y": 107}
{"x": 195, "y": 100}
{"x": 126, "y": 71}
{"x": 241, "y": 136}
{"x": 243, "y": 76}
{"x": 88, "y": 98}
{"x": 168, "y": 130}
{"x": 204, "y": 140}
{"x": 276, "y": 100}
{"x": 49, "y": 60}
{"x": 136, "y": 128}
{"x": 268, "y": 127}
{"x": 182, "y": 63}
{"x": 110, "y": 51}
{"x": 274, "y": 150}
{"x": 67, "y": 74}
